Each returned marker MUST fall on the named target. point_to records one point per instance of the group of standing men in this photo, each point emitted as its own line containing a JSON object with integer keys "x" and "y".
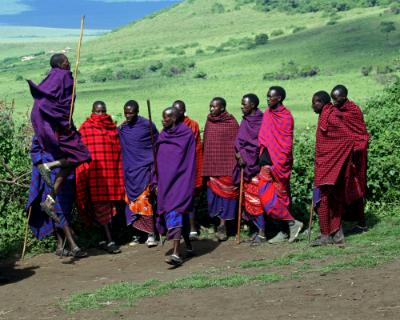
{"x": 158, "y": 175}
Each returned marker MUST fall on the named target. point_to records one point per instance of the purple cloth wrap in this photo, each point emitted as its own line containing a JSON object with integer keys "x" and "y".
{"x": 50, "y": 117}
{"x": 40, "y": 223}
{"x": 220, "y": 207}
{"x": 247, "y": 145}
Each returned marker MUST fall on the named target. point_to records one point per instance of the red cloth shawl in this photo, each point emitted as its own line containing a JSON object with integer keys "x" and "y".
{"x": 219, "y": 145}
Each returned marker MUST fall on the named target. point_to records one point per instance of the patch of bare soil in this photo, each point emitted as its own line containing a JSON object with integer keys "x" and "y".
{"x": 38, "y": 284}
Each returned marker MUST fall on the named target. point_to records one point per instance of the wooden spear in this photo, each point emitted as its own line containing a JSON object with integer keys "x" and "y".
{"x": 26, "y": 233}
{"x": 310, "y": 220}
{"x": 240, "y": 206}
{"x": 153, "y": 145}
{"x": 78, "y": 57}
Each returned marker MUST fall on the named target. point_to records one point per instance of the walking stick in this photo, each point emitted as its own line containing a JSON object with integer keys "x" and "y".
{"x": 78, "y": 57}
{"x": 153, "y": 147}
{"x": 310, "y": 221}
{"x": 152, "y": 137}
{"x": 240, "y": 206}
{"x": 26, "y": 233}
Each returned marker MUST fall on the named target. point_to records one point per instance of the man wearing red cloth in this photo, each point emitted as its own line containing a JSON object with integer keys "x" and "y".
{"x": 198, "y": 184}
{"x": 340, "y": 166}
{"x": 219, "y": 161}
{"x": 100, "y": 183}
{"x": 276, "y": 160}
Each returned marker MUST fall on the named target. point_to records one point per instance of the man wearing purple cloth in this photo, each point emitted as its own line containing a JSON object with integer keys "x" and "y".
{"x": 138, "y": 166}
{"x": 55, "y": 135}
{"x": 175, "y": 182}
{"x": 247, "y": 155}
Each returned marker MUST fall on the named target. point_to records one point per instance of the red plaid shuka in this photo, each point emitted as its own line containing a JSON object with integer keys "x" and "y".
{"x": 219, "y": 145}
{"x": 340, "y": 165}
{"x": 341, "y": 144}
{"x": 198, "y": 182}
{"x": 356, "y": 177}
{"x": 276, "y": 134}
{"x": 101, "y": 179}
{"x": 332, "y": 147}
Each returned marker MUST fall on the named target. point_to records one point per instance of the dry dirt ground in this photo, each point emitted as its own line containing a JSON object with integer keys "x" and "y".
{"x": 38, "y": 284}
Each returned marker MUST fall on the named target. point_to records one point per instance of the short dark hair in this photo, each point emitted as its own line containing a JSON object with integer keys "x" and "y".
{"x": 57, "y": 59}
{"x": 253, "y": 98}
{"x": 132, "y": 104}
{"x": 280, "y": 91}
{"x": 323, "y": 96}
{"x": 173, "y": 110}
{"x": 341, "y": 88}
{"x": 98, "y": 102}
{"x": 220, "y": 100}
{"x": 180, "y": 102}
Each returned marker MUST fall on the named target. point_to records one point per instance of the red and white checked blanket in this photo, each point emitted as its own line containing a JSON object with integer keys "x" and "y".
{"x": 101, "y": 179}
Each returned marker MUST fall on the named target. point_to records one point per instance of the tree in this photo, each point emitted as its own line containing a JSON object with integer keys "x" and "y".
{"x": 387, "y": 27}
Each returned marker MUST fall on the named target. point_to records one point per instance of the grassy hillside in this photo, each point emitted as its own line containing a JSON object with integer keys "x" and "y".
{"x": 203, "y": 48}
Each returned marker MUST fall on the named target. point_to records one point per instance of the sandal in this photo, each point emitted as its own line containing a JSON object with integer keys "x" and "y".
{"x": 189, "y": 252}
{"x": 45, "y": 173}
{"x": 258, "y": 240}
{"x": 221, "y": 233}
{"x": 193, "y": 236}
{"x": 113, "y": 248}
{"x": 174, "y": 260}
{"x": 78, "y": 253}
{"x": 48, "y": 207}
{"x": 63, "y": 252}
{"x": 151, "y": 241}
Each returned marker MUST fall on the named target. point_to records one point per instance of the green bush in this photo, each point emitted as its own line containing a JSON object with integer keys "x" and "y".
{"x": 365, "y": 71}
{"x": 102, "y": 75}
{"x": 303, "y": 6}
{"x": 18, "y": 78}
{"x": 291, "y": 70}
{"x": 382, "y": 115}
{"x": 200, "y": 75}
{"x": 261, "y": 39}
{"x": 14, "y": 175}
{"x": 298, "y": 29}
{"x": 155, "y": 66}
{"x": 276, "y": 33}
{"x": 217, "y": 8}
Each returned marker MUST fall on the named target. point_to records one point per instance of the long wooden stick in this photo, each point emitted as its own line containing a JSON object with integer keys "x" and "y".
{"x": 78, "y": 58}
{"x": 153, "y": 145}
{"x": 240, "y": 206}
{"x": 26, "y": 233}
{"x": 310, "y": 220}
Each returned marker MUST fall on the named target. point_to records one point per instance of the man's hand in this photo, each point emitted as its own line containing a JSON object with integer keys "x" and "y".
{"x": 240, "y": 160}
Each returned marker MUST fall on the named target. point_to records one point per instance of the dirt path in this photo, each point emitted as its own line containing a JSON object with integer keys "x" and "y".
{"x": 39, "y": 283}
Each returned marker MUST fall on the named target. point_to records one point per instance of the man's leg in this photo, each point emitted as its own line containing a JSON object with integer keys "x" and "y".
{"x": 323, "y": 212}
{"x": 75, "y": 250}
{"x": 221, "y": 230}
{"x": 48, "y": 204}
{"x": 175, "y": 235}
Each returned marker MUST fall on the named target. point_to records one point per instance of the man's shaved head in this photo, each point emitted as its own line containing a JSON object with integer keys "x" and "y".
{"x": 341, "y": 89}
{"x": 169, "y": 117}
{"x": 132, "y": 104}
{"x": 339, "y": 95}
{"x": 181, "y": 107}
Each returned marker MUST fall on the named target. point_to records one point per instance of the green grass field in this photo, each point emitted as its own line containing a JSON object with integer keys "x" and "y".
{"x": 218, "y": 43}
